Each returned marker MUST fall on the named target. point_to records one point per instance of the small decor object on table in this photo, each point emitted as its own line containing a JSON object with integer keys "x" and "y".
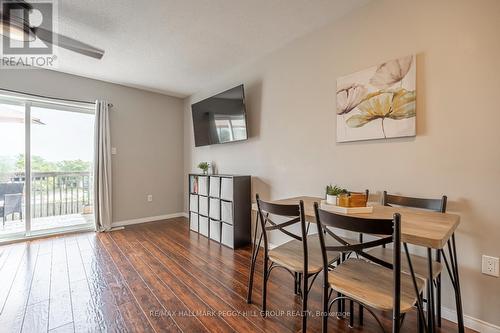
{"x": 203, "y": 166}
{"x": 332, "y": 192}
{"x": 378, "y": 102}
{"x": 352, "y": 199}
{"x": 347, "y": 202}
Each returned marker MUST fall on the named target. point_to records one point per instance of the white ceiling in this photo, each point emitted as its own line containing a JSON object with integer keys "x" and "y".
{"x": 179, "y": 46}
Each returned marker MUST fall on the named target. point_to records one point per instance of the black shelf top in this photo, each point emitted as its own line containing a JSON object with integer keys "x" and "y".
{"x": 218, "y": 175}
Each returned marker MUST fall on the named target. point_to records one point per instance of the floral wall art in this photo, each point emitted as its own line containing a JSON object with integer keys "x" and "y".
{"x": 378, "y": 102}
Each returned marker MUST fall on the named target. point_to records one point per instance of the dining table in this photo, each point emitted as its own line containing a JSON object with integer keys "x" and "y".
{"x": 428, "y": 229}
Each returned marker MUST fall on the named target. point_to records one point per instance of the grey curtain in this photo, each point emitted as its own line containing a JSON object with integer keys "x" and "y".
{"x": 102, "y": 168}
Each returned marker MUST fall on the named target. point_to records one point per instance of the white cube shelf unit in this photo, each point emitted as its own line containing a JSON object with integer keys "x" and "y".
{"x": 220, "y": 208}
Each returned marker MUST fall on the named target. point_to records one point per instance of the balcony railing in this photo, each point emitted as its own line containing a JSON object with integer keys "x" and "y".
{"x": 57, "y": 193}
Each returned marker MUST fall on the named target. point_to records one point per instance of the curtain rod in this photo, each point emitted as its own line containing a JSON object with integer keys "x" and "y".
{"x": 49, "y": 97}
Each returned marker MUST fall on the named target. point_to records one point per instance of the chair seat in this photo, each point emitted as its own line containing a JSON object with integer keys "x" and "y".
{"x": 372, "y": 285}
{"x": 420, "y": 264}
{"x": 290, "y": 255}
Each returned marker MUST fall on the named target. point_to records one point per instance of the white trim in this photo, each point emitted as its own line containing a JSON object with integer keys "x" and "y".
{"x": 68, "y": 107}
{"x": 146, "y": 219}
{"x": 470, "y": 322}
{"x": 21, "y": 237}
{"x": 26, "y": 97}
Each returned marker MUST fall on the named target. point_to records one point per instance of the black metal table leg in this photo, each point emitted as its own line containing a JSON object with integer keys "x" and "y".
{"x": 295, "y": 282}
{"x": 430, "y": 294}
{"x": 458, "y": 296}
{"x": 420, "y": 323}
{"x": 452, "y": 268}
{"x": 299, "y": 284}
{"x": 417, "y": 292}
{"x": 351, "y": 314}
{"x": 342, "y": 301}
{"x": 255, "y": 252}
{"x": 438, "y": 292}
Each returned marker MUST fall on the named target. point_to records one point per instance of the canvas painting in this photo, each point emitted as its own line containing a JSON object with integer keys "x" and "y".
{"x": 378, "y": 102}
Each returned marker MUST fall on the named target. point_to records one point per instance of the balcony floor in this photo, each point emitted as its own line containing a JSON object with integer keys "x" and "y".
{"x": 44, "y": 223}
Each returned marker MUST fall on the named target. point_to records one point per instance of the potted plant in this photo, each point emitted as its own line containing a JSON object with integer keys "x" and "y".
{"x": 204, "y": 167}
{"x": 332, "y": 191}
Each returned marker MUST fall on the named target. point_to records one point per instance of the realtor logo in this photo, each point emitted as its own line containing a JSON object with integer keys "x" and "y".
{"x": 27, "y": 38}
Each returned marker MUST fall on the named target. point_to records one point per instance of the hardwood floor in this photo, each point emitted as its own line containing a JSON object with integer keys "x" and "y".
{"x": 154, "y": 277}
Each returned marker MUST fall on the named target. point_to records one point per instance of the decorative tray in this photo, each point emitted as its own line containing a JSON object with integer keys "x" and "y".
{"x": 346, "y": 210}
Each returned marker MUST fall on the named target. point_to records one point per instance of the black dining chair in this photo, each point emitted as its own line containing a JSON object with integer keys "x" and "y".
{"x": 420, "y": 264}
{"x": 379, "y": 286}
{"x": 301, "y": 257}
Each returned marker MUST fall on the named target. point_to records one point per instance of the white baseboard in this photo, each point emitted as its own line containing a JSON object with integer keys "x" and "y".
{"x": 470, "y": 322}
{"x": 147, "y": 219}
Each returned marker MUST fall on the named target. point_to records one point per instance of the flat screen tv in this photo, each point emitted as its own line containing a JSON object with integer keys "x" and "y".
{"x": 220, "y": 118}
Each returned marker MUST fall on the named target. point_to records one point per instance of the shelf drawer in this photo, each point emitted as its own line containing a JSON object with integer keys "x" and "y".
{"x": 203, "y": 205}
{"x": 193, "y": 222}
{"x": 214, "y": 186}
{"x": 203, "y": 226}
{"x": 214, "y": 209}
{"x": 226, "y": 190}
{"x": 215, "y": 230}
{"x": 193, "y": 203}
{"x": 227, "y": 235}
{"x": 203, "y": 185}
{"x": 227, "y": 212}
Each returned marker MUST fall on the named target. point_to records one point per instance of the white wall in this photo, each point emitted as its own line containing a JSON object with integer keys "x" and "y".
{"x": 146, "y": 129}
{"x": 291, "y": 110}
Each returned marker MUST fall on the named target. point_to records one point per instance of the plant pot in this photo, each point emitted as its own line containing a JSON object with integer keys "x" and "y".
{"x": 331, "y": 199}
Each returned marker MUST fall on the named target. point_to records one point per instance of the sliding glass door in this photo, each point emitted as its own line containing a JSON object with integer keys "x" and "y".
{"x": 45, "y": 167}
{"x": 61, "y": 168}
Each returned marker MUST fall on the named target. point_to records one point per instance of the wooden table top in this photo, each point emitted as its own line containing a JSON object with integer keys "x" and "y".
{"x": 418, "y": 227}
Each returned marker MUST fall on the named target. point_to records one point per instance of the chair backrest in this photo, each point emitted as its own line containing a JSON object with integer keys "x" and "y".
{"x": 327, "y": 220}
{"x": 12, "y": 204}
{"x": 10, "y": 188}
{"x": 295, "y": 213}
{"x": 438, "y": 205}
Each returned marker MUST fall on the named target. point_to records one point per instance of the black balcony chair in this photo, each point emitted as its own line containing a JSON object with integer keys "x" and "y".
{"x": 379, "y": 286}
{"x": 420, "y": 264}
{"x": 300, "y": 257}
{"x": 11, "y": 199}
